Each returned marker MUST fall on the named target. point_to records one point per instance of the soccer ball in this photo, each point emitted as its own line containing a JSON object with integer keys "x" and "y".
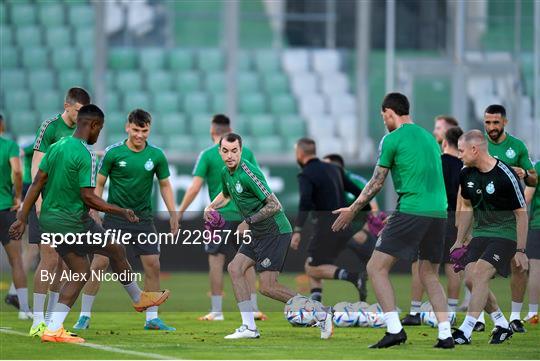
{"x": 300, "y": 311}
{"x": 375, "y": 317}
{"x": 360, "y": 308}
{"x": 345, "y": 315}
{"x": 429, "y": 317}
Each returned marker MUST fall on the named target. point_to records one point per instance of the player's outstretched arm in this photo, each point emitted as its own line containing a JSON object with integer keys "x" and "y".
{"x": 16, "y": 175}
{"x": 93, "y": 201}
{"x": 522, "y": 226}
{"x": 34, "y": 168}
{"x": 529, "y": 194}
{"x": 463, "y": 222}
{"x": 192, "y": 191}
{"x": 220, "y": 201}
{"x": 167, "y": 195}
{"x": 271, "y": 207}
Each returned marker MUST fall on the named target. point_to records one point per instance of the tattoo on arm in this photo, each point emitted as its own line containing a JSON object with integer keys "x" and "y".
{"x": 373, "y": 187}
{"x": 271, "y": 207}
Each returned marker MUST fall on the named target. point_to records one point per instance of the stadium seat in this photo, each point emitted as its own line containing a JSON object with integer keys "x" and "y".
{"x": 183, "y": 144}
{"x": 115, "y": 137}
{"x": 304, "y": 83}
{"x": 115, "y": 122}
{"x": 210, "y": 60}
{"x": 64, "y": 59}
{"x": 248, "y": 82}
{"x": 128, "y": 81}
{"x": 267, "y": 61}
{"x": 122, "y": 59}
{"x": 12, "y": 79}
{"x": 202, "y": 142}
{"x": 6, "y": 36}
{"x": 152, "y": 59}
{"x": 188, "y": 82}
{"x": 28, "y": 36}
{"x": 49, "y": 101}
{"x": 86, "y": 58}
{"x": 84, "y": 37}
{"x": 51, "y": 14}
{"x": 165, "y": 102}
{"x": 41, "y": 80}
{"x": 262, "y": 125}
{"x": 196, "y": 103}
{"x": 180, "y": 59}
{"x": 275, "y": 83}
{"x": 17, "y": 99}
{"x": 200, "y": 124}
{"x": 269, "y": 145}
{"x": 3, "y": 13}
{"x": 252, "y": 104}
{"x": 34, "y": 58}
{"x": 295, "y": 60}
{"x": 219, "y": 103}
{"x": 244, "y": 60}
{"x": 58, "y": 36}
{"x": 240, "y": 125}
{"x": 134, "y": 100}
{"x": 342, "y": 104}
{"x": 23, "y": 122}
{"x": 312, "y": 104}
{"x": 112, "y": 103}
{"x": 157, "y": 81}
{"x": 291, "y": 126}
{"x": 81, "y": 15}
{"x": 158, "y": 140}
{"x": 9, "y": 57}
{"x": 215, "y": 82}
{"x": 282, "y": 104}
{"x": 325, "y": 61}
{"x": 334, "y": 84}
{"x": 22, "y": 14}
{"x": 170, "y": 124}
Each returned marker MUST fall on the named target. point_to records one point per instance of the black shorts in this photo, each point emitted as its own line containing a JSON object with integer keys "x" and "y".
{"x": 496, "y": 251}
{"x": 268, "y": 252}
{"x": 34, "y": 231}
{"x": 225, "y": 246}
{"x": 412, "y": 237}
{"x": 325, "y": 246}
{"x": 365, "y": 250}
{"x": 139, "y": 231}
{"x": 7, "y": 218}
{"x": 533, "y": 244}
{"x": 82, "y": 249}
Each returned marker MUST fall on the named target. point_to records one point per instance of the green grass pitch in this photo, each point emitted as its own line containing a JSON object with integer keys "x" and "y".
{"x": 116, "y": 331}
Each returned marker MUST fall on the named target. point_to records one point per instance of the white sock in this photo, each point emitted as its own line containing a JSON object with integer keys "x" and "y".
{"x": 516, "y": 311}
{"x": 59, "y": 314}
{"x": 51, "y": 304}
{"x": 151, "y": 313}
{"x": 482, "y": 318}
{"x": 134, "y": 291}
{"x": 22, "y": 295}
{"x": 217, "y": 302}
{"x": 393, "y": 324}
{"x": 533, "y": 309}
{"x": 254, "y": 302}
{"x": 415, "y": 308}
{"x": 39, "y": 305}
{"x": 246, "y": 310}
{"x": 468, "y": 325}
{"x": 467, "y": 296}
{"x": 452, "y": 304}
{"x": 12, "y": 290}
{"x": 86, "y": 305}
{"x": 498, "y": 319}
{"x": 444, "y": 330}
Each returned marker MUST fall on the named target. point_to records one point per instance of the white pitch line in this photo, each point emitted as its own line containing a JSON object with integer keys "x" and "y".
{"x": 102, "y": 347}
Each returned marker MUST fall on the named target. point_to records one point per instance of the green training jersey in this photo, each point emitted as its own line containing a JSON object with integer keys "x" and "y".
{"x": 414, "y": 158}
{"x": 70, "y": 165}
{"x": 51, "y": 131}
{"x": 8, "y": 150}
{"x": 209, "y": 166}
{"x": 358, "y": 181}
{"x": 28, "y": 152}
{"x": 535, "y": 204}
{"x": 248, "y": 189}
{"x": 131, "y": 176}
{"x": 512, "y": 151}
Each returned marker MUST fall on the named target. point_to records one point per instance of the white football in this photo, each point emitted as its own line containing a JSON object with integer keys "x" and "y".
{"x": 375, "y": 316}
{"x": 345, "y": 315}
{"x": 300, "y": 311}
{"x": 360, "y": 308}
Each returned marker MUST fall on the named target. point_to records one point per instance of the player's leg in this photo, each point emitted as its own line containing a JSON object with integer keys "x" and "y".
{"x": 453, "y": 286}
{"x": 417, "y": 291}
{"x": 251, "y": 278}
{"x": 30, "y": 259}
{"x": 13, "y": 251}
{"x": 42, "y": 276}
{"x": 534, "y": 290}
{"x": 363, "y": 244}
{"x": 216, "y": 262}
{"x": 54, "y": 289}
{"x": 518, "y": 286}
{"x": 99, "y": 264}
{"x": 315, "y": 284}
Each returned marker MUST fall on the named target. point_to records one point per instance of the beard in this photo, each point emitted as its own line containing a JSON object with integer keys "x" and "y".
{"x": 495, "y": 134}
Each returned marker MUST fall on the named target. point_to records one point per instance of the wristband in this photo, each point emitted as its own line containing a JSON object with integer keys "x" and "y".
{"x": 297, "y": 229}
{"x": 521, "y": 250}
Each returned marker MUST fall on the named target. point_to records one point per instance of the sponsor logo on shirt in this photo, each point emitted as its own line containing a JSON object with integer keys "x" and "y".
{"x": 149, "y": 165}
{"x": 510, "y": 153}
{"x": 122, "y": 163}
{"x": 496, "y": 258}
{"x": 238, "y": 187}
{"x": 490, "y": 188}
{"x": 470, "y": 184}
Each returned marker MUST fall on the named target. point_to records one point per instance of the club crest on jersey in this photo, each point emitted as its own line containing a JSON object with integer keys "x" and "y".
{"x": 122, "y": 163}
{"x": 266, "y": 263}
{"x": 149, "y": 165}
{"x": 510, "y": 153}
{"x": 490, "y": 188}
{"x": 238, "y": 187}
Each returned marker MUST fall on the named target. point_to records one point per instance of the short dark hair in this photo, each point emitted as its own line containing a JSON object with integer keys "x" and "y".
{"x": 450, "y": 120}
{"x": 90, "y": 112}
{"x": 496, "y": 109}
{"x": 231, "y": 137}
{"x": 77, "y": 95}
{"x": 452, "y": 136}
{"x": 221, "y": 119}
{"x": 397, "y": 102}
{"x": 139, "y": 117}
{"x": 335, "y": 158}
{"x": 308, "y": 145}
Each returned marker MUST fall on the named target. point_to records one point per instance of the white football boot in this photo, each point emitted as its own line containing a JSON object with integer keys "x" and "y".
{"x": 212, "y": 316}
{"x": 243, "y": 332}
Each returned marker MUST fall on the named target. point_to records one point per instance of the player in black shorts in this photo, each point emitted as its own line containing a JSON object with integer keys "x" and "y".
{"x": 532, "y": 195}
{"x": 493, "y": 196}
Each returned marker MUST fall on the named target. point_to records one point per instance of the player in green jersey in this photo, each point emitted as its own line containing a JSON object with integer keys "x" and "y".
{"x": 50, "y": 131}
{"x": 10, "y": 168}
{"x": 131, "y": 166}
{"x": 266, "y": 233}
{"x": 417, "y": 227}
{"x": 493, "y": 198}
{"x": 67, "y": 178}
{"x": 513, "y": 152}
{"x": 532, "y": 195}
{"x": 208, "y": 169}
